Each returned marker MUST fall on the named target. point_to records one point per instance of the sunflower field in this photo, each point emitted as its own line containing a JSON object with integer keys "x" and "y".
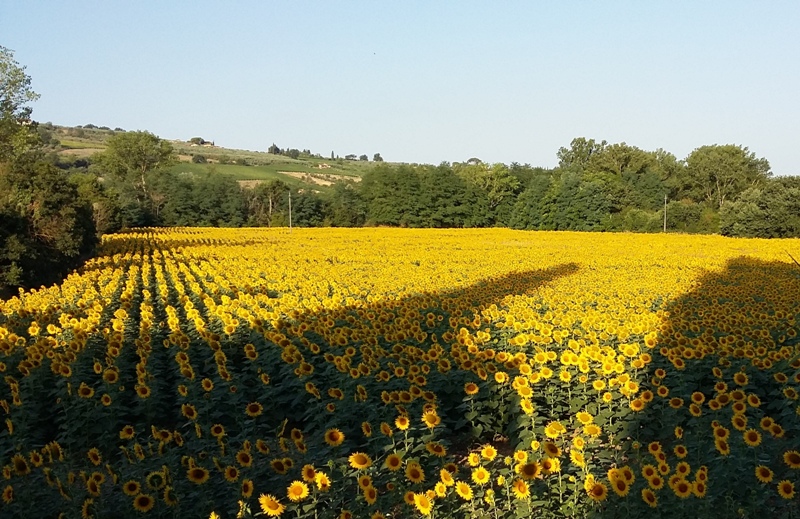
{"x": 367, "y": 373}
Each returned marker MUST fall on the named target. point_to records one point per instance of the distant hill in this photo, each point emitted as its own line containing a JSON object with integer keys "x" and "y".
{"x": 196, "y": 155}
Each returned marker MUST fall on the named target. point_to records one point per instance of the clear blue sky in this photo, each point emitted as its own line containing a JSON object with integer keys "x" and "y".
{"x": 422, "y": 81}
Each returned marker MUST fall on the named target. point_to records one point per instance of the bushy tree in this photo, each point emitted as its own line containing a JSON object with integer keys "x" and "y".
{"x": 768, "y": 211}
{"x": 716, "y": 174}
{"x": 346, "y": 208}
{"x": 131, "y": 163}
{"x": 45, "y": 228}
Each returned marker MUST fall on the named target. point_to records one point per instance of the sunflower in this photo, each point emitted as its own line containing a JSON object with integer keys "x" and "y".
{"x": 231, "y": 473}
{"x": 527, "y": 406}
{"x": 464, "y": 491}
{"x": 393, "y": 462}
{"x": 488, "y": 452}
{"x": 471, "y": 388}
{"x": 683, "y": 469}
{"x": 217, "y": 431}
{"x": 36, "y": 459}
{"x": 520, "y": 489}
{"x": 592, "y": 430}
{"x": 308, "y": 473}
{"x": 364, "y": 481}
{"x": 682, "y": 489}
{"x": 402, "y": 422}
{"x": 446, "y": 477}
{"x": 366, "y": 429}
{"x": 699, "y": 489}
{"x": 551, "y": 449}
{"x": 637, "y": 404}
{"x": 529, "y": 470}
{"x": 207, "y": 384}
{"x": 519, "y": 456}
{"x": 334, "y": 437}
{"x": 722, "y": 447}
{"x": 786, "y": 489}
{"x": 279, "y": 466}
{"x": 143, "y": 502}
{"x": 370, "y": 495}
{"x": 247, "y": 488}
{"x": 676, "y": 403}
{"x": 197, "y": 475}
{"x": 254, "y": 409}
{"x": 740, "y": 379}
{"x": 270, "y": 505}
{"x": 323, "y": 481}
{"x": 656, "y": 482}
{"x": 423, "y": 504}
{"x": 598, "y": 491}
{"x": 244, "y": 458}
{"x": 792, "y": 458}
{"x": 94, "y": 456}
{"x": 752, "y": 437}
{"x": 93, "y": 487}
{"x": 431, "y": 419}
{"x": 649, "y": 497}
{"x": 554, "y": 430}
{"x": 480, "y": 475}
{"x": 262, "y": 447}
{"x": 359, "y": 460}
{"x": 414, "y": 473}
{"x": 297, "y": 491}
{"x": 764, "y": 474}
{"x": 680, "y": 451}
{"x": 436, "y": 448}
{"x": 620, "y": 486}
{"x": 126, "y": 433}
{"x": 131, "y": 487}
{"x": 577, "y": 458}
{"x": 386, "y": 430}
{"x": 85, "y": 391}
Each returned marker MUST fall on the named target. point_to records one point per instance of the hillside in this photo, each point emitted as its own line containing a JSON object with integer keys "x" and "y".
{"x": 248, "y": 167}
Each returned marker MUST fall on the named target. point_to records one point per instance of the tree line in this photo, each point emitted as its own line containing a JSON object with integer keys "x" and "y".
{"x": 595, "y": 187}
{"x": 53, "y": 210}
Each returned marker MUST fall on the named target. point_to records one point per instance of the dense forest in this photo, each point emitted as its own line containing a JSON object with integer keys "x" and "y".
{"x": 53, "y": 210}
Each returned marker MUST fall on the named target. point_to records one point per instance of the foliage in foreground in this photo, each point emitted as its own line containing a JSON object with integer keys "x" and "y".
{"x": 392, "y": 373}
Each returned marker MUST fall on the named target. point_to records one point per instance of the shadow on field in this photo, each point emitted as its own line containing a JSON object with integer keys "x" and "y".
{"x": 420, "y": 321}
{"x": 742, "y": 318}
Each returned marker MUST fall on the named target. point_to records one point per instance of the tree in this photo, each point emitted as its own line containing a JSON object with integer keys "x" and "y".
{"x": 130, "y": 161}
{"x": 267, "y": 202}
{"x": 293, "y": 153}
{"x": 443, "y": 198}
{"x": 768, "y": 211}
{"x": 274, "y": 150}
{"x": 377, "y": 158}
{"x": 199, "y": 159}
{"x": 498, "y": 185}
{"x": 17, "y": 134}
{"x": 363, "y": 158}
{"x": 45, "y": 229}
{"x": 719, "y": 173}
{"x": 308, "y": 209}
{"x": 579, "y": 153}
{"x": 197, "y": 140}
{"x": 345, "y": 207}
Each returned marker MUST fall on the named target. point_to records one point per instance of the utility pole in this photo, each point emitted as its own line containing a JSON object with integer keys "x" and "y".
{"x": 290, "y": 213}
{"x": 665, "y": 213}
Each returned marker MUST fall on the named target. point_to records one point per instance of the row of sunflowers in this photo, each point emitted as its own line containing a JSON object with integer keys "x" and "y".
{"x": 405, "y": 373}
